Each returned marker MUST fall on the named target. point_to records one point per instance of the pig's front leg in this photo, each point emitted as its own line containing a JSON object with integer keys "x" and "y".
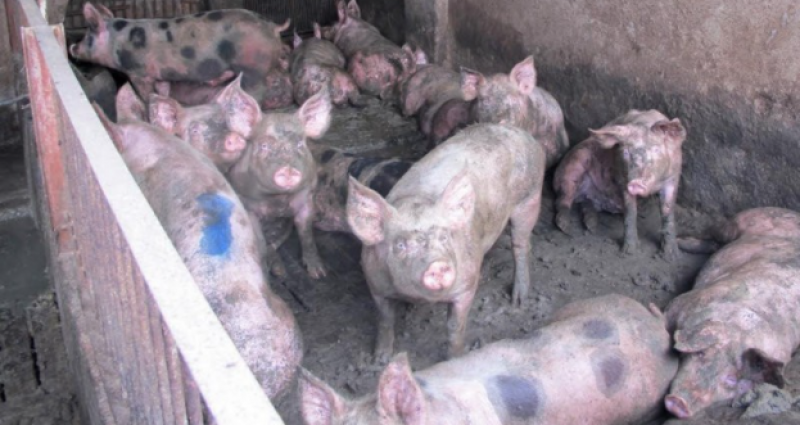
{"x": 523, "y": 220}
{"x": 631, "y": 243}
{"x": 668, "y": 237}
{"x": 384, "y": 347}
{"x": 303, "y": 207}
{"x": 269, "y": 252}
{"x": 457, "y": 321}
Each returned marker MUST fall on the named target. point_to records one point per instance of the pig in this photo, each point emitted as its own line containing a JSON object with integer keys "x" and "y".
{"x": 317, "y": 62}
{"x": 739, "y": 325}
{"x": 516, "y": 99}
{"x": 276, "y": 176}
{"x": 635, "y": 155}
{"x": 207, "y": 47}
{"x": 434, "y": 93}
{"x": 214, "y": 235}
{"x": 219, "y": 129}
{"x": 600, "y": 361}
{"x": 334, "y": 169}
{"x": 376, "y": 64}
{"x": 100, "y": 88}
{"x": 427, "y": 239}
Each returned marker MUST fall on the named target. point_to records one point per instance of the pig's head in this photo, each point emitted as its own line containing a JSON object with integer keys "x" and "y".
{"x": 279, "y": 154}
{"x": 650, "y": 147}
{"x": 501, "y": 99}
{"x": 421, "y": 240}
{"x": 97, "y": 43}
{"x": 399, "y": 399}
{"x": 715, "y": 367}
{"x": 219, "y": 129}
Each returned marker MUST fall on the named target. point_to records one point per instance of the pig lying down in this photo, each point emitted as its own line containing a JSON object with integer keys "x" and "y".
{"x": 601, "y": 361}
{"x": 636, "y": 155}
{"x": 740, "y": 324}
{"x": 216, "y": 239}
{"x": 425, "y": 242}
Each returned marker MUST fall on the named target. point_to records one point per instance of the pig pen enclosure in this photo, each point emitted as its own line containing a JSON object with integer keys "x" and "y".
{"x": 145, "y": 348}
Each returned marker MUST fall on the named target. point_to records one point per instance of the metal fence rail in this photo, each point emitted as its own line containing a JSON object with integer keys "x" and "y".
{"x": 143, "y": 343}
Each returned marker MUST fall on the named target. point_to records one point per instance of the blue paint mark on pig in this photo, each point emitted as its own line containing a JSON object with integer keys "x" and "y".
{"x": 217, "y": 235}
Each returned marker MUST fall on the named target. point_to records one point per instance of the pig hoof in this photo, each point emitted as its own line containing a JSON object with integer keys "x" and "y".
{"x": 630, "y": 248}
{"x": 562, "y": 221}
{"x": 277, "y": 269}
{"x": 671, "y": 253}
{"x": 315, "y": 269}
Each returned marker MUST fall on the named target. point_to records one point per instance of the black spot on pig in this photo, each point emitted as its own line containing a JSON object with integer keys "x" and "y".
{"x": 179, "y": 20}
{"x": 327, "y": 155}
{"x": 138, "y": 37}
{"x": 169, "y": 36}
{"x": 357, "y": 167}
{"x": 610, "y": 370}
{"x": 163, "y": 25}
{"x": 188, "y": 52}
{"x": 127, "y": 61}
{"x": 170, "y": 74}
{"x": 215, "y": 15}
{"x": 119, "y": 25}
{"x": 597, "y": 329}
{"x": 89, "y": 41}
{"x": 226, "y": 50}
{"x": 521, "y": 398}
{"x": 388, "y": 176}
{"x": 199, "y": 14}
{"x": 209, "y": 69}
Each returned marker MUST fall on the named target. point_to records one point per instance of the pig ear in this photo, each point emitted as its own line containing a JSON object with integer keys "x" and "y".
{"x": 341, "y": 10}
{"x": 104, "y": 11}
{"x": 471, "y": 82}
{"x": 367, "y": 213}
{"x": 296, "y": 41}
{"x": 319, "y": 403}
{"x": 241, "y": 109}
{"x": 283, "y": 27}
{"x": 353, "y": 10}
{"x": 458, "y": 199}
{"x": 114, "y": 131}
{"x": 129, "y": 106}
{"x": 420, "y": 57}
{"x": 761, "y": 367}
{"x": 523, "y": 75}
{"x": 608, "y": 137}
{"x": 165, "y": 113}
{"x": 672, "y": 129}
{"x": 94, "y": 18}
{"x": 707, "y": 335}
{"x": 399, "y": 395}
{"x": 317, "y": 31}
{"x": 315, "y": 114}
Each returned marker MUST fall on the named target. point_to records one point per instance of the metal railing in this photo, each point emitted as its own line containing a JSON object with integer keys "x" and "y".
{"x": 143, "y": 343}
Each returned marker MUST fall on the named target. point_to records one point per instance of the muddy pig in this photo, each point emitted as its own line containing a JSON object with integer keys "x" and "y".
{"x": 207, "y": 47}
{"x": 376, "y": 64}
{"x": 600, "y": 361}
{"x": 740, "y": 323}
{"x": 433, "y": 93}
{"x": 636, "y": 155}
{"x": 214, "y": 235}
{"x": 516, "y": 99}
{"x": 277, "y": 176}
{"x": 100, "y": 88}
{"x": 335, "y": 168}
{"x": 425, "y": 242}
{"x": 219, "y": 129}
{"x": 317, "y": 62}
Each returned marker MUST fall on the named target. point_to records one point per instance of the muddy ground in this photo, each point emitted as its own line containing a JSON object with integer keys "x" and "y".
{"x": 338, "y": 318}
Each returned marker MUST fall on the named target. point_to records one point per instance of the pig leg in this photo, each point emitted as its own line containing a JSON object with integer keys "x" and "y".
{"x": 269, "y": 251}
{"x": 457, "y": 320}
{"x": 631, "y": 243}
{"x": 523, "y": 219}
{"x": 303, "y": 207}
{"x": 589, "y": 217}
{"x": 668, "y": 242}
{"x": 384, "y": 347}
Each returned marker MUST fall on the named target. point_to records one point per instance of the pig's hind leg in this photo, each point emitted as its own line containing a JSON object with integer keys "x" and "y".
{"x": 523, "y": 220}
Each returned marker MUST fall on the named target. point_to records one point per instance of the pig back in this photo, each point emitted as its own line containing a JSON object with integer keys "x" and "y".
{"x": 315, "y": 51}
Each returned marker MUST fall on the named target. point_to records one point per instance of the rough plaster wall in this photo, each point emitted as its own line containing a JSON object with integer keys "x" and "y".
{"x": 728, "y": 69}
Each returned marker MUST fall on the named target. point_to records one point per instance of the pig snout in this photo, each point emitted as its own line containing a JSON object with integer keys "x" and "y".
{"x": 235, "y": 143}
{"x": 677, "y": 406}
{"x": 287, "y": 177}
{"x": 637, "y": 188}
{"x": 438, "y": 276}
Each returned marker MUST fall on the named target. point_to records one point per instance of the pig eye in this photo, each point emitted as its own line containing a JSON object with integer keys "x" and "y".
{"x": 265, "y": 147}
{"x": 400, "y": 246}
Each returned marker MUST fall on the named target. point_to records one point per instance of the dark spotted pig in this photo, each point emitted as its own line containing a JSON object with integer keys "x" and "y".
{"x": 277, "y": 176}
{"x": 376, "y": 64}
{"x": 740, "y": 324}
{"x": 425, "y": 242}
{"x": 602, "y": 361}
{"x": 516, "y": 99}
{"x": 315, "y": 63}
{"x": 207, "y": 47}
{"x": 219, "y": 129}
{"x": 214, "y": 235}
{"x": 100, "y": 88}
{"x": 636, "y": 155}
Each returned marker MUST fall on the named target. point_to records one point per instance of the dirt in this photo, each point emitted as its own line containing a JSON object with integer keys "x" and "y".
{"x": 338, "y": 318}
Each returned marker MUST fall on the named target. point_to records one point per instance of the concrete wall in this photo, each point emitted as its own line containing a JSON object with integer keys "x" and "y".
{"x": 728, "y": 68}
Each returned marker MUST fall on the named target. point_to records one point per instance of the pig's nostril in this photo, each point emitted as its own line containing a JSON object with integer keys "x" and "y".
{"x": 234, "y": 143}
{"x": 677, "y": 406}
{"x": 287, "y": 177}
{"x": 439, "y": 275}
